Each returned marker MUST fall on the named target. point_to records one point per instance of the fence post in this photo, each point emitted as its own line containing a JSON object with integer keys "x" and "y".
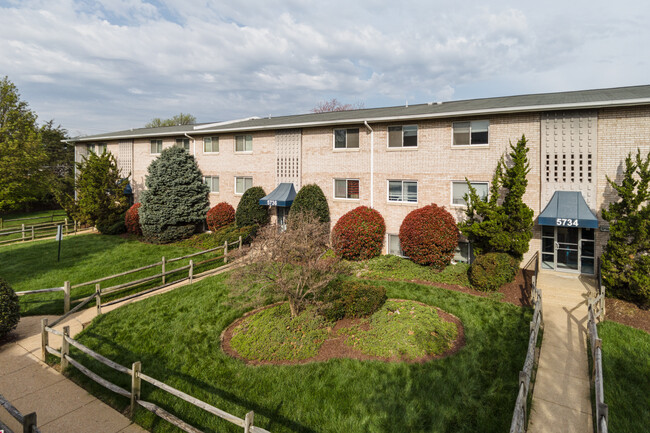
{"x": 163, "y": 270}
{"x": 1, "y": 224}
{"x": 32, "y": 232}
{"x": 66, "y": 296}
{"x": 29, "y": 422}
{"x": 75, "y": 226}
{"x": 240, "y": 242}
{"x": 135, "y": 385}
{"x": 191, "y": 270}
{"x": 23, "y": 231}
{"x": 65, "y": 348}
{"x": 98, "y": 299}
{"x": 248, "y": 422}
{"x": 44, "y": 339}
{"x": 225, "y": 252}
{"x": 66, "y": 225}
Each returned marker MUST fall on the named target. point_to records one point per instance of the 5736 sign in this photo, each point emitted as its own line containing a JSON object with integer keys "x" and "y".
{"x": 568, "y": 222}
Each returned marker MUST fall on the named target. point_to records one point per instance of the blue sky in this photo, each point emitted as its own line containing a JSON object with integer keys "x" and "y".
{"x": 98, "y": 66}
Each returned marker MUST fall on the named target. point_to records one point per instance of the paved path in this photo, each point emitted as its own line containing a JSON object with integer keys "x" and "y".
{"x": 60, "y": 405}
{"x": 561, "y": 397}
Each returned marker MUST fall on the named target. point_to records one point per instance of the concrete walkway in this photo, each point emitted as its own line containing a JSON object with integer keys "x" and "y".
{"x": 561, "y": 397}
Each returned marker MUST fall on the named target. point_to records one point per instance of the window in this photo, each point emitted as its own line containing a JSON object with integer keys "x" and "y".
{"x": 346, "y": 188}
{"x": 212, "y": 182}
{"x": 242, "y": 184}
{"x": 459, "y": 189}
{"x": 243, "y": 143}
{"x": 463, "y": 252}
{"x": 346, "y": 138}
{"x": 156, "y": 147}
{"x": 403, "y": 136}
{"x": 394, "y": 246}
{"x": 210, "y": 144}
{"x": 472, "y": 133}
{"x": 403, "y": 191}
{"x": 97, "y": 148}
{"x": 184, "y": 143}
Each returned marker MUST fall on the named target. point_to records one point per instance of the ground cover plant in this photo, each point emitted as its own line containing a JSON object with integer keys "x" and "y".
{"x": 473, "y": 390}
{"x": 626, "y": 376}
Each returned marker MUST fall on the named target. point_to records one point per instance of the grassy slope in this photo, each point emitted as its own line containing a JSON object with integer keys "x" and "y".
{"x": 626, "y": 376}
{"x": 176, "y": 336}
{"x": 59, "y": 215}
{"x": 33, "y": 265}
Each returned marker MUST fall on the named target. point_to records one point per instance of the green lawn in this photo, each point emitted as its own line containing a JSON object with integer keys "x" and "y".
{"x": 45, "y": 216}
{"x": 33, "y": 265}
{"x": 176, "y": 336}
{"x": 626, "y": 376}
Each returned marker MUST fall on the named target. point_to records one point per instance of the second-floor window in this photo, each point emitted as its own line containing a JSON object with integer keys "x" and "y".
{"x": 346, "y": 188}
{"x": 156, "y": 147}
{"x": 403, "y": 136}
{"x": 403, "y": 191}
{"x": 97, "y": 148}
{"x": 211, "y": 144}
{"x": 474, "y": 133}
{"x": 243, "y": 143}
{"x": 346, "y": 138}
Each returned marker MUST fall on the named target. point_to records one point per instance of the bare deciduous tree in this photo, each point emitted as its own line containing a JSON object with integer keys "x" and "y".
{"x": 334, "y": 105}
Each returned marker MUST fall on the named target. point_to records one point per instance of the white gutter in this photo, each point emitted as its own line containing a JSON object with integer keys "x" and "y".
{"x": 372, "y": 164}
{"x": 193, "y": 143}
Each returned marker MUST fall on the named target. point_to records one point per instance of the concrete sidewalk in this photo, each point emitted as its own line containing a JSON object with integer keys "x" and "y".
{"x": 561, "y": 397}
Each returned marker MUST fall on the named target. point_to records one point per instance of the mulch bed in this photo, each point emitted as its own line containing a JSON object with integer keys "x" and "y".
{"x": 335, "y": 347}
{"x": 627, "y": 313}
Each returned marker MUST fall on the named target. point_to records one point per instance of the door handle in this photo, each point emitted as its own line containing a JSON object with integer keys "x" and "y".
{"x": 557, "y": 245}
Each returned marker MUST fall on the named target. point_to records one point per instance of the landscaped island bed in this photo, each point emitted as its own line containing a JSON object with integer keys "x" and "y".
{"x": 176, "y": 336}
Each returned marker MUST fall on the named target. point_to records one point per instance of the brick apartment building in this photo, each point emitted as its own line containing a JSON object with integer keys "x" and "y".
{"x": 396, "y": 159}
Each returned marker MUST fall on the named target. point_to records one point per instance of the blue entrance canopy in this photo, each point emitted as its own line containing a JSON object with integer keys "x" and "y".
{"x": 568, "y": 208}
{"x": 281, "y": 196}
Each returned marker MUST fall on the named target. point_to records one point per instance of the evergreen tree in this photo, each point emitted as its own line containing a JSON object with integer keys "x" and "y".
{"x": 175, "y": 202}
{"x": 625, "y": 264}
{"x": 502, "y": 222}
{"x": 311, "y": 198}
{"x": 249, "y": 210}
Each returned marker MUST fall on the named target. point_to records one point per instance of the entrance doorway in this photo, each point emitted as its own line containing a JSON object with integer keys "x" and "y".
{"x": 568, "y": 249}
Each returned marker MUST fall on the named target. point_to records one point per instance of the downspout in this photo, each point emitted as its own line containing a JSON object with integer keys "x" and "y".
{"x": 372, "y": 164}
{"x": 193, "y": 144}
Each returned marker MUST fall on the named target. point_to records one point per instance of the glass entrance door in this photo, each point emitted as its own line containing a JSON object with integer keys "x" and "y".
{"x": 568, "y": 249}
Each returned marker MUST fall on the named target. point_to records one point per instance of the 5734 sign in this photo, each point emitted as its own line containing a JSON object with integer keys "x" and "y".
{"x": 568, "y": 222}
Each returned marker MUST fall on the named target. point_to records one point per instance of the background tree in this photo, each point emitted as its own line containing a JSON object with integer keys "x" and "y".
{"x": 334, "y": 105}
{"x": 625, "y": 264}
{"x": 179, "y": 119}
{"x": 175, "y": 202}
{"x": 502, "y": 222}
{"x": 59, "y": 164}
{"x": 311, "y": 198}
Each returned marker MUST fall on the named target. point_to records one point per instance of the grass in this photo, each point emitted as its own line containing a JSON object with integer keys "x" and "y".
{"x": 626, "y": 376}
{"x": 44, "y": 216}
{"x": 176, "y": 337}
{"x": 87, "y": 257}
{"x": 397, "y": 268}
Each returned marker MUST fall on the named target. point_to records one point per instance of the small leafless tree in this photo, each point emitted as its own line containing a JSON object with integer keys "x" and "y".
{"x": 293, "y": 264}
{"x": 335, "y": 105}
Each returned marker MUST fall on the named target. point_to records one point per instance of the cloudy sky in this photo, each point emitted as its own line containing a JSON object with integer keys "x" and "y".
{"x": 99, "y": 66}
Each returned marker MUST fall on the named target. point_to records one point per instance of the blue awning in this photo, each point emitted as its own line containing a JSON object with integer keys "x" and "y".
{"x": 568, "y": 208}
{"x": 127, "y": 189}
{"x": 281, "y": 196}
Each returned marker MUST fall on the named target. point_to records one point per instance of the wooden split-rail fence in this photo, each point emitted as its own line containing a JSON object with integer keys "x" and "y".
{"x": 518, "y": 424}
{"x": 596, "y": 313}
{"x": 38, "y": 231}
{"x": 28, "y": 422}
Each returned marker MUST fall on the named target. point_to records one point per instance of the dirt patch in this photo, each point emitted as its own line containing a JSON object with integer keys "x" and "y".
{"x": 334, "y": 346}
{"x": 627, "y": 313}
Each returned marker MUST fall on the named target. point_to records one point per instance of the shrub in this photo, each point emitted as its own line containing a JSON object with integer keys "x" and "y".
{"x": 249, "y": 211}
{"x": 9, "y": 308}
{"x": 351, "y": 299}
{"x": 490, "y": 271}
{"x": 359, "y": 234}
{"x": 116, "y": 228}
{"x": 219, "y": 216}
{"x": 311, "y": 198}
{"x": 429, "y": 235}
{"x": 132, "y": 220}
{"x": 229, "y": 233}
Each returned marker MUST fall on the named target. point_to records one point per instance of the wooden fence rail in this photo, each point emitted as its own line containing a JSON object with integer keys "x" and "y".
{"x": 137, "y": 376}
{"x": 28, "y": 422}
{"x": 38, "y": 231}
{"x": 595, "y": 313}
{"x": 51, "y": 217}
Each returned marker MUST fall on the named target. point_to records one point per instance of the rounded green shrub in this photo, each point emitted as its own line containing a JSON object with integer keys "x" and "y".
{"x": 429, "y": 236}
{"x": 311, "y": 198}
{"x": 9, "y": 308}
{"x": 490, "y": 271}
{"x": 250, "y": 211}
{"x": 359, "y": 234}
{"x": 351, "y": 299}
{"x": 219, "y": 216}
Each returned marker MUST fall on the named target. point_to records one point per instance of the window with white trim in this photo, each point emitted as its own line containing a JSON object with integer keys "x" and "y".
{"x": 346, "y": 138}
{"x": 395, "y": 246}
{"x": 184, "y": 143}
{"x": 404, "y": 191}
{"x": 473, "y": 133}
{"x": 243, "y": 143}
{"x": 460, "y": 189}
{"x": 212, "y": 182}
{"x": 346, "y": 188}
{"x": 403, "y": 136}
{"x": 210, "y": 144}
{"x": 156, "y": 147}
{"x": 97, "y": 148}
{"x": 242, "y": 184}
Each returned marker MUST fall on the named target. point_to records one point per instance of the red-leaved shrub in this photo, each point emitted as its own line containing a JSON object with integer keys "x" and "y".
{"x": 359, "y": 234}
{"x": 132, "y": 220}
{"x": 220, "y": 216}
{"x": 429, "y": 235}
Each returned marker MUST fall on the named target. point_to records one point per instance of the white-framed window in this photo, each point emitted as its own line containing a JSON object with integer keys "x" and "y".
{"x": 346, "y": 188}
{"x": 395, "y": 246}
{"x": 97, "y": 148}
{"x": 242, "y": 183}
{"x": 156, "y": 147}
{"x": 403, "y": 136}
{"x": 212, "y": 182}
{"x": 243, "y": 143}
{"x": 346, "y": 138}
{"x": 404, "y": 191}
{"x": 471, "y": 133}
{"x": 184, "y": 143}
{"x": 463, "y": 252}
{"x": 459, "y": 189}
{"x": 210, "y": 144}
